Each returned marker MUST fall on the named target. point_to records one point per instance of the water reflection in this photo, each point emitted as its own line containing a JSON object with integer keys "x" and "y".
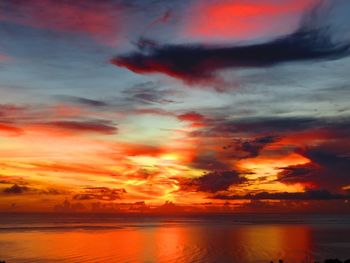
{"x": 188, "y": 242}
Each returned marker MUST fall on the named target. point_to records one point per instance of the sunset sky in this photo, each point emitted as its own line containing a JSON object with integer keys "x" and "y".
{"x": 163, "y": 106}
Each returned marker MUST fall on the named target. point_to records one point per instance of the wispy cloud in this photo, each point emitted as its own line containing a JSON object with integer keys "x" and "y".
{"x": 95, "y": 19}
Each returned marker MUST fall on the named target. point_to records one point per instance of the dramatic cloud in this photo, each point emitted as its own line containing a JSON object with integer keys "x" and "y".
{"x": 273, "y": 127}
{"x": 256, "y": 126}
{"x": 74, "y": 127}
{"x": 307, "y": 195}
{"x": 209, "y": 161}
{"x": 249, "y": 148}
{"x": 213, "y": 182}
{"x": 196, "y": 63}
{"x": 326, "y": 170}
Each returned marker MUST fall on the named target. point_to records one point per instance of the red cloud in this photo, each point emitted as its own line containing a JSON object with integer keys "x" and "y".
{"x": 243, "y": 19}
{"x": 95, "y": 19}
{"x": 191, "y": 116}
{"x": 196, "y": 119}
{"x": 10, "y": 130}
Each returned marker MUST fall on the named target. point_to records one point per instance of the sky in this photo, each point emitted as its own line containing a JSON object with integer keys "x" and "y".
{"x": 174, "y": 106}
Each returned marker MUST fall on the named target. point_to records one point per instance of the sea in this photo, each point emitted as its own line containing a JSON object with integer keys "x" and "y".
{"x": 240, "y": 238}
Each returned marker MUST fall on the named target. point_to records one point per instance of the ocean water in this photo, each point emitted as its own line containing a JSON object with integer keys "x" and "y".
{"x": 110, "y": 238}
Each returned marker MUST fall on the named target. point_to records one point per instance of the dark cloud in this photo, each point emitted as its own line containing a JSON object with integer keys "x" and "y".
{"x": 271, "y": 126}
{"x": 209, "y": 161}
{"x": 326, "y": 169}
{"x": 21, "y": 186}
{"x": 196, "y": 63}
{"x": 213, "y": 182}
{"x": 329, "y": 206}
{"x": 16, "y": 189}
{"x": 307, "y": 195}
{"x": 90, "y": 102}
{"x": 5, "y": 181}
{"x": 323, "y": 141}
{"x": 85, "y": 126}
{"x": 249, "y": 148}
{"x": 266, "y": 125}
{"x": 100, "y": 193}
{"x": 149, "y": 93}
{"x": 329, "y": 158}
{"x": 84, "y": 101}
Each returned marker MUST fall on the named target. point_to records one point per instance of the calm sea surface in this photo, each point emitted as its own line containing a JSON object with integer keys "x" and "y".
{"x": 239, "y": 238}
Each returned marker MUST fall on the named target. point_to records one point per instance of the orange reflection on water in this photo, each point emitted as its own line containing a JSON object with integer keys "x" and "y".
{"x": 292, "y": 242}
{"x": 162, "y": 242}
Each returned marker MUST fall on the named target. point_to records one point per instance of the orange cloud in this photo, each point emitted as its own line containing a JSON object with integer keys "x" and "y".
{"x": 139, "y": 149}
{"x": 71, "y": 168}
{"x": 10, "y": 130}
